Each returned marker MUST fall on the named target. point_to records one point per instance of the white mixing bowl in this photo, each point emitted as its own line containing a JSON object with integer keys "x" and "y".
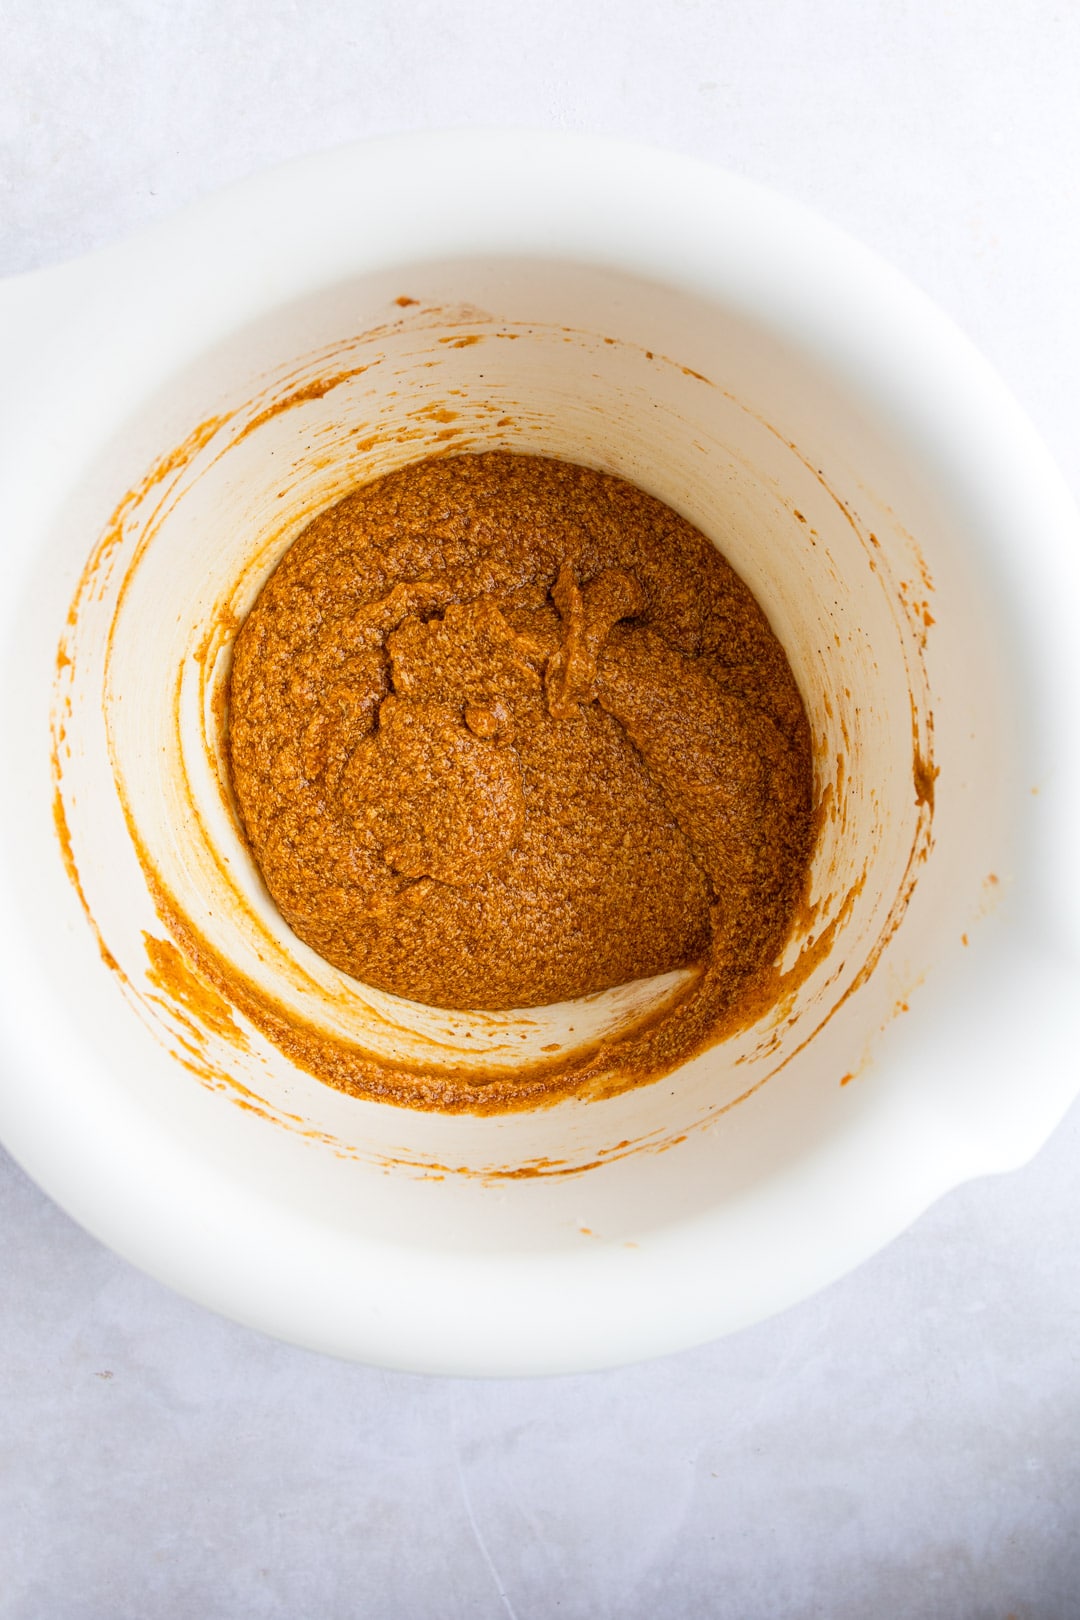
{"x": 174, "y": 410}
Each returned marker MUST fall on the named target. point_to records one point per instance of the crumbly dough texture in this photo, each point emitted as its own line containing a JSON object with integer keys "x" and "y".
{"x": 505, "y": 731}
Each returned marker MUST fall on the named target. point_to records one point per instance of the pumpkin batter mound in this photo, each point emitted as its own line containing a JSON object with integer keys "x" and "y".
{"x": 505, "y": 731}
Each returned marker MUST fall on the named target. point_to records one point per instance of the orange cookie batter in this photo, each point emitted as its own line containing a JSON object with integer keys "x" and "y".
{"x": 505, "y": 731}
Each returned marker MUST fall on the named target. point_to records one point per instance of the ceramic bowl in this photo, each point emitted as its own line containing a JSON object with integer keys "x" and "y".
{"x": 176, "y": 408}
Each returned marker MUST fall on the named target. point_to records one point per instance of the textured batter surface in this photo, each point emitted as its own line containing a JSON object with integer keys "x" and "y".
{"x": 505, "y": 731}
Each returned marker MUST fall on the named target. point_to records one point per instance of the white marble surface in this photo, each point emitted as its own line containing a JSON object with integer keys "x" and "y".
{"x": 906, "y": 1445}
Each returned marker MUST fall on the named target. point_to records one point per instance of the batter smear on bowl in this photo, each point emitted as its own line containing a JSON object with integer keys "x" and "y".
{"x": 505, "y": 731}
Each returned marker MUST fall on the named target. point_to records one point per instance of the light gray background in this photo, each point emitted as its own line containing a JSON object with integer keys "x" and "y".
{"x": 906, "y": 1446}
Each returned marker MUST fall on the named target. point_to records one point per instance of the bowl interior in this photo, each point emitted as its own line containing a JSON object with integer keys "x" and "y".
{"x": 870, "y": 586}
